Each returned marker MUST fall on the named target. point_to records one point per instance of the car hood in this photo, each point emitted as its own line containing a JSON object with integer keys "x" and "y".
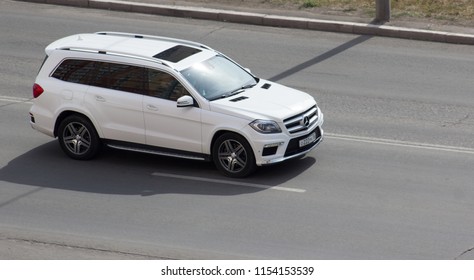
{"x": 266, "y": 100}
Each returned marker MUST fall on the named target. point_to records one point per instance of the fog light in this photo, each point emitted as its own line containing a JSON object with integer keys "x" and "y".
{"x": 270, "y": 149}
{"x": 273, "y": 145}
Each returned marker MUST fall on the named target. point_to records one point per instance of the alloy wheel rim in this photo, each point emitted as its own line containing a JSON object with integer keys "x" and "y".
{"x": 232, "y": 156}
{"x": 77, "y": 138}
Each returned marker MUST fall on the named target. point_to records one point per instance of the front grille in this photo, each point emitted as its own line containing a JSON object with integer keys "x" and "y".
{"x": 294, "y": 144}
{"x": 303, "y": 121}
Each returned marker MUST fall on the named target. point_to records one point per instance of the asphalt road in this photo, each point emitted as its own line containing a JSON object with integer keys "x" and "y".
{"x": 392, "y": 180}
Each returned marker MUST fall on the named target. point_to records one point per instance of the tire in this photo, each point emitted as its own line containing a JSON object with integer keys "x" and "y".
{"x": 78, "y": 138}
{"x": 233, "y": 156}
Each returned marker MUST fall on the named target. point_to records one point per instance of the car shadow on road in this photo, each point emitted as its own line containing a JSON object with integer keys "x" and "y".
{"x": 128, "y": 173}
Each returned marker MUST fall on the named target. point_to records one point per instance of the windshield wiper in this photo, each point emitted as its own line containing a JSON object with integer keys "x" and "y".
{"x": 241, "y": 89}
{"x": 234, "y": 92}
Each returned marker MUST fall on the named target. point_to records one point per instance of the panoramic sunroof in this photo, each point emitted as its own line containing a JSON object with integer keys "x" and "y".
{"x": 177, "y": 53}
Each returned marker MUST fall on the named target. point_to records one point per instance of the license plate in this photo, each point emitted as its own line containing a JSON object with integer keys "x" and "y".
{"x": 308, "y": 140}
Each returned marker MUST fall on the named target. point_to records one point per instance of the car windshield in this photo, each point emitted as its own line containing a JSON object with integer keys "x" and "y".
{"x": 218, "y": 77}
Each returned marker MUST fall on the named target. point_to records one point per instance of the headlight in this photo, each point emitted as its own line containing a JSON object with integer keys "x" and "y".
{"x": 264, "y": 126}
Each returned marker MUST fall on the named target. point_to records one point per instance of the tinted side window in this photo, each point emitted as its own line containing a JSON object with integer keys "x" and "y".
{"x": 74, "y": 71}
{"x": 120, "y": 77}
{"x": 163, "y": 85}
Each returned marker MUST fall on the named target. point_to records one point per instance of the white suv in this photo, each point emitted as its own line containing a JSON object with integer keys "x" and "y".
{"x": 168, "y": 97}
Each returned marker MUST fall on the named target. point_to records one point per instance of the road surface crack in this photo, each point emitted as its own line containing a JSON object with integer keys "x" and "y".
{"x": 457, "y": 122}
{"x": 464, "y": 253}
{"x": 85, "y": 248}
{"x": 212, "y": 32}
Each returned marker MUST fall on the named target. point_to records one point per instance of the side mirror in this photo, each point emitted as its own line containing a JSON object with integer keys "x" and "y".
{"x": 185, "y": 101}
{"x": 248, "y": 70}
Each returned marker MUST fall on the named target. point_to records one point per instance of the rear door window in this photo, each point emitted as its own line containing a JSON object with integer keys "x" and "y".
{"x": 120, "y": 77}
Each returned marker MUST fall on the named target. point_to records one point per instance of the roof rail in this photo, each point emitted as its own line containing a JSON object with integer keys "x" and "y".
{"x": 122, "y": 54}
{"x": 151, "y": 37}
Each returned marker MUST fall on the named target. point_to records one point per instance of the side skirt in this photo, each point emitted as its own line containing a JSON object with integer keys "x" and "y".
{"x": 147, "y": 149}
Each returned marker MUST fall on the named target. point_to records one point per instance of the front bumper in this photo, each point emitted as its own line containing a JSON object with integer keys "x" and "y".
{"x": 284, "y": 147}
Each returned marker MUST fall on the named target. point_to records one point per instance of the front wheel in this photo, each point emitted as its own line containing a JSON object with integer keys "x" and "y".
{"x": 78, "y": 138}
{"x": 233, "y": 155}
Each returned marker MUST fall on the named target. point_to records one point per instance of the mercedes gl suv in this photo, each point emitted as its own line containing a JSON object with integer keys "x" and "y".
{"x": 168, "y": 97}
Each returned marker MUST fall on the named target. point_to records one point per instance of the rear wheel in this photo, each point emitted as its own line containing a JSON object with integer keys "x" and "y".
{"x": 233, "y": 155}
{"x": 78, "y": 138}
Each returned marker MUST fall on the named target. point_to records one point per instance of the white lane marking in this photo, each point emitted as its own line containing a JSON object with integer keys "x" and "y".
{"x": 15, "y": 99}
{"x": 228, "y": 182}
{"x": 390, "y": 142}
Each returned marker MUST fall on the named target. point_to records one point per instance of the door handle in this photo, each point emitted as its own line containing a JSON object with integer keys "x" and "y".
{"x": 100, "y": 98}
{"x": 151, "y": 107}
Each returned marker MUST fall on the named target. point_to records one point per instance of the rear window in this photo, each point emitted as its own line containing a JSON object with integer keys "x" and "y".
{"x": 74, "y": 71}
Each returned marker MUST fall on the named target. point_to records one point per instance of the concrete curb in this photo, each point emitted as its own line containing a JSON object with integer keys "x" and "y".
{"x": 268, "y": 20}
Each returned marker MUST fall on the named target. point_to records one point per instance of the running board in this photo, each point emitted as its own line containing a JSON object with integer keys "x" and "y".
{"x": 156, "y": 152}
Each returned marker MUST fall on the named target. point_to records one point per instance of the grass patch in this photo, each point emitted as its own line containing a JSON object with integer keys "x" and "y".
{"x": 311, "y": 4}
{"x": 436, "y": 9}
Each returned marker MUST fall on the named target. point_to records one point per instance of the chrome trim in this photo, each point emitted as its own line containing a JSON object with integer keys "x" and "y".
{"x": 302, "y": 121}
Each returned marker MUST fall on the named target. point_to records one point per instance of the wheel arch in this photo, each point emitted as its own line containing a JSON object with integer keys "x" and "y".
{"x": 223, "y": 165}
{"x": 218, "y": 133}
{"x": 68, "y": 113}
